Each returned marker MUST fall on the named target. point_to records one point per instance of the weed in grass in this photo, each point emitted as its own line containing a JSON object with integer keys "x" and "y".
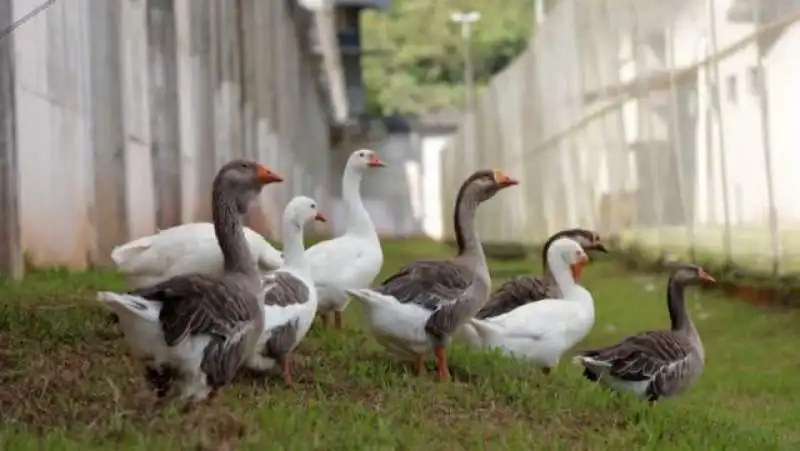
{"x": 66, "y": 382}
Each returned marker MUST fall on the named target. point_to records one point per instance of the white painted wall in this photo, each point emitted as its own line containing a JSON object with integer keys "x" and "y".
{"x": 740, "y": 116}
{"x": 432, "y": 207}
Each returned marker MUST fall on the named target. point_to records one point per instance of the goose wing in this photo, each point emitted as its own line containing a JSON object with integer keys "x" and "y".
{"x": 282, "y": 289}
{"x": 517, "y": 292}
{"x": 662, "y": 357}
{"x": 427, "y": 283}
{"x": 206, "y": 305}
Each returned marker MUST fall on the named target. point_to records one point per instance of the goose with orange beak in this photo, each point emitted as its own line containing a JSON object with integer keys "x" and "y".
{"x": 524, "y": 289}
{"x": 654, "y": 364}
{"x": 288, "y": 295}
{"x": 423, "y": 304}
{"x": 544, "y": 330}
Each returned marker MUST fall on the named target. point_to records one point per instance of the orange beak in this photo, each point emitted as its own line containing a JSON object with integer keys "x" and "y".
{"x": 502, "y": 180}
{"x": 577, "y": 267}
{"x": 375, "y": 162}
{"x": 704, "y": 276}
{"x": 266, "y": 176}
{"x": 320, "y": 217}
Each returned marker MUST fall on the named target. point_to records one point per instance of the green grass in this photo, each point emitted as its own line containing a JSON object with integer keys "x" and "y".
{"x": 66, "y": 382}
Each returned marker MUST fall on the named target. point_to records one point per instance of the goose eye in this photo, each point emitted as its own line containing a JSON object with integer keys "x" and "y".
{"x": 314, "y": 206}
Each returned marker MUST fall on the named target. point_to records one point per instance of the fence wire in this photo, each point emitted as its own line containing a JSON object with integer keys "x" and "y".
{"x": 667, "y": 124}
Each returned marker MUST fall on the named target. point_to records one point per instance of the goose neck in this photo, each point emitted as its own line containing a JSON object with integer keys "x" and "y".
{"x": 562, "y": 275}
{"x": 230, "y": 234}
{"x": 467, "y": 238}
{"x": 676, "y": 304}
{"x": 358, "y": 219}
{"x": 293, "y": 246}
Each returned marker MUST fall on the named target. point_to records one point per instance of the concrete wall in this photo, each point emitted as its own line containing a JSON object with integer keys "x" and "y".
{"x": 126, "y": 108}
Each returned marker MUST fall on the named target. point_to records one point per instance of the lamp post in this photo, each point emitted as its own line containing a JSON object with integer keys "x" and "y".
{"x": 466, "y": 19}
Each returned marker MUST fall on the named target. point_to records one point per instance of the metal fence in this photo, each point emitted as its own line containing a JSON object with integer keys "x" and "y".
{"x": 669, "y": 124}
{"x": 116, "y": 115}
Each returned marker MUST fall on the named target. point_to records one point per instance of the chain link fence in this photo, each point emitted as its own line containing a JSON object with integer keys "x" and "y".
{"x": 672, "y": 125}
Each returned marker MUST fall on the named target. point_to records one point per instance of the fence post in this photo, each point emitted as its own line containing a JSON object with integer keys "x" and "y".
{"x": 165, "y": 132}
{"x": 11, "y": 261}
{"x": 677, "y": 143}
{"x": 110, "y": 214}
{"x": 774, "y": 230}
{"x": 717, "y": 109}
{"x": 647, "y": 149}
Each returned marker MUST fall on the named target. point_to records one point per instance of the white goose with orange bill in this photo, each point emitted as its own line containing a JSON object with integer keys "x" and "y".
{"x": 423, "y": 304}
{"x": 354, "y": 259}
{"x": 542, "y": 331}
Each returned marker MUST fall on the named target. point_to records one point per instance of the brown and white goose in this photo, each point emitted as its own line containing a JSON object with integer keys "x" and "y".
{"x": 521, "y": 290}
{"x": 199, "y": 328}
{"x": 657, "y": 363}
{"x": 423, "y": 304}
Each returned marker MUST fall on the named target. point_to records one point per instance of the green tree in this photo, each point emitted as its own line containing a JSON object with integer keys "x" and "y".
{"x": 421, "y": 67}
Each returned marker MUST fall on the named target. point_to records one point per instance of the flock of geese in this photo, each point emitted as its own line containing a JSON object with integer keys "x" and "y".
{"x": 209, "y": 299}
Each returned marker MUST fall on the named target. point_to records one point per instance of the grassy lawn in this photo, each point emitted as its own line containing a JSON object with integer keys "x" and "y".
{"x": 66, "y": 382}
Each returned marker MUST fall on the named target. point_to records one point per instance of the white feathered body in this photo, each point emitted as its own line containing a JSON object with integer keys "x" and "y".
{"x": 400, "y": 327}
{"x": 138, "y": 319}
{"x": 347, "y": 262}
{"x": 539, "y": 331}
{"x": 299, "y": 314}
{"x": 184, "y": 249}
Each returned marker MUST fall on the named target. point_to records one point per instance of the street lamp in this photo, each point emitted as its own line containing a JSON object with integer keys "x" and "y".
{"x": 466, "y": 19}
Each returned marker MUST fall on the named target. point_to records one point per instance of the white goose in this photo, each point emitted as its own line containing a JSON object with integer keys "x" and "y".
{"x": 542, "y": 331}
{"x": 184, "y": 249}
{"x": 288, "y": 295}
{"x": 353, "y": 260}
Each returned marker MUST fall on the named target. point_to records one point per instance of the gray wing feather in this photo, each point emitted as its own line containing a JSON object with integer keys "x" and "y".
{"x": 201, "y": 304}
{"x": 280, "y": 341}
{"x": 517, "y": 292}
{"x": 663, "y": 357}
{"x": 427, "y": 282}
{"x": 281, "y": 289}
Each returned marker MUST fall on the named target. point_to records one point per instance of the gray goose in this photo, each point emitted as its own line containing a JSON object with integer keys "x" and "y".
{"x": 199, "y": 328}
{"x": 656, "y": 363}
{"x": 438, "y": 286}
{"x": 523, "y": 289}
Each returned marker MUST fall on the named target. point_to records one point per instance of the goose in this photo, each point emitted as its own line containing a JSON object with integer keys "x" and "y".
{"x": 184, "y": 249}
{"x": 542, "y": 331}
{"x": 199, "y": 328}
{"x": 288, "y": 295}
{"x": 421, "y": 306}
{"x": 354, "y": 259}
{"x": 656, "y": 363}
{"x": 523, "y": 289}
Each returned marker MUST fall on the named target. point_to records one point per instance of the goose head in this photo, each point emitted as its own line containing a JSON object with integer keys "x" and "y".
{"x": 484, "y": 184}
{"x": 244, "y": 180}
{"x": 363, "y": 159}
{"x": 690, "y": 274}
{"x": 300, "y": 210}
{"x": 567, "y": 253}
{"x": 588, "y": 239}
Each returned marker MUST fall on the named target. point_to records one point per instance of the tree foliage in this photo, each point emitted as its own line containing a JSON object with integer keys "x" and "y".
{"x": 421, "y": 67}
